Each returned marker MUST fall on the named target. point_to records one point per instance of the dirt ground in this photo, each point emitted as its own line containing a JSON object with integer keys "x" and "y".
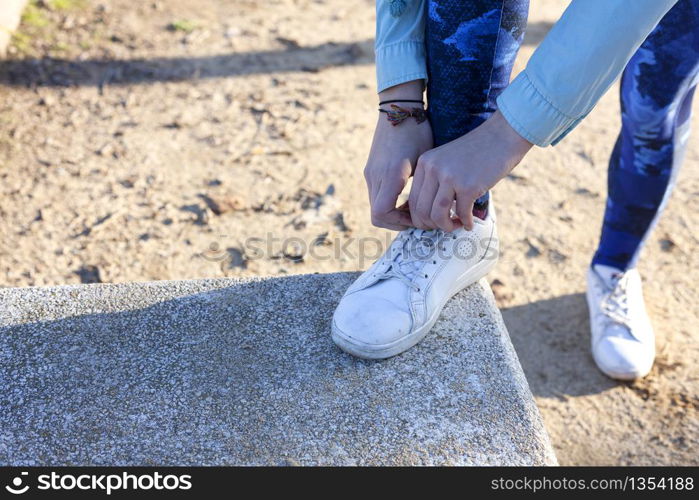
{"x": 174, "y": 139}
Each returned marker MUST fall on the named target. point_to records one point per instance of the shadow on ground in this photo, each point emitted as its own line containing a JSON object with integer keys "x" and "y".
{"x": 55, "y": 72}
{"x": 549, "y": 336}
{"x": 50, "y": 72}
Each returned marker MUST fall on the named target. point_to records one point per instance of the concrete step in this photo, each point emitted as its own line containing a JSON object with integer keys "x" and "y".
{"x": 228, "y": 371}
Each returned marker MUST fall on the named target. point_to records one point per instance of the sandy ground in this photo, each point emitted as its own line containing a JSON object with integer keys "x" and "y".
{"x": 160, "y": 140}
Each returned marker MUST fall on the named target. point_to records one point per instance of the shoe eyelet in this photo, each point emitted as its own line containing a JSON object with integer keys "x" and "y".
{"x": 434, "y": 262}
{"x": 418, "y": 289}
{"x": 426, "y": 276}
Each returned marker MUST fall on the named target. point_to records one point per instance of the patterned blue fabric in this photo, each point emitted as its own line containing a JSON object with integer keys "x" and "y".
{"x": 656, "y": 96}
{"x": 471, "y": 47}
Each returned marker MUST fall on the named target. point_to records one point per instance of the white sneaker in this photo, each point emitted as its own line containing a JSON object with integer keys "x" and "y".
{"x": 623, "y": 343}
{"x": 395, "y": 303}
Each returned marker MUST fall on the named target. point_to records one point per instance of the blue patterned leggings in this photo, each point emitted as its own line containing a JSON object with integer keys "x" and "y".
{"x": 471, "y": 47}
{"x": 656, "y": 98}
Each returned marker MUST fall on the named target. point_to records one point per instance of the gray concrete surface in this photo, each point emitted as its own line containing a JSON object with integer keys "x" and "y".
{"x": 10, "y": 15}
{"x": 244, "y": 372}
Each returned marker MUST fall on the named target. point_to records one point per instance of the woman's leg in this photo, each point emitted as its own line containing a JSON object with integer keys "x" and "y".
{"x": 656, "y": 96}
{"x": 471, "y": 48}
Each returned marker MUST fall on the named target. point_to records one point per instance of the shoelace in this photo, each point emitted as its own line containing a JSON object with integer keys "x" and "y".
{"x": 408, "y": 260}
{"x": 615, "y": 303}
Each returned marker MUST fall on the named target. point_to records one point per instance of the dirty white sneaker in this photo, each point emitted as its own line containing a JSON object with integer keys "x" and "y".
{"x": 623, "y": 343}
{"x": 393, "y": 305}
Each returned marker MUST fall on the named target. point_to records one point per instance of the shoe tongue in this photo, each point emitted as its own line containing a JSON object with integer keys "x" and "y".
{"x": 415, "y": 250}
{"x": 618, "y": 313}
{"x": 410, "y": 267}
{"x": 610, "y": 275}
{"x": 425, "y": 235}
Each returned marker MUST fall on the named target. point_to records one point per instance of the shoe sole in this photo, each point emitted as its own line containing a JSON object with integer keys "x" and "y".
{"x": 383, "y": 351}
{"x": 625, "y": 377}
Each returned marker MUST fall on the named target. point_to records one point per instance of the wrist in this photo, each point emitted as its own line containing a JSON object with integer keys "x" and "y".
{"x": 508, "y": 136}
{"x": 412, "y": 90}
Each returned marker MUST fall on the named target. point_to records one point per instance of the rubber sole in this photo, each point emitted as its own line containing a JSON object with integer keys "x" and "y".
{"x": 624, "y": 377}
{"x": 383, "y": 351}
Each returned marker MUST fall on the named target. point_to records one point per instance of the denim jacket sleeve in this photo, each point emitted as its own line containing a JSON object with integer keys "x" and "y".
{"x": 400, "y": 42}
{"x": 580, "y": 58}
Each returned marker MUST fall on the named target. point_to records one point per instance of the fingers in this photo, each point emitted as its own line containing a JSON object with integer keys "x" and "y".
{"x": 430, "y": 200}
{"x": 371, "y": 184}
{"x": 421, "y": 213}
{"x": 418, "y": 178}
{"x": 383, "y": 206}
{"x": 432, "y": 197}
{"x": 395, "y": 220}
{"x": 441, "y": 208}
{"x": 464, "y": 209}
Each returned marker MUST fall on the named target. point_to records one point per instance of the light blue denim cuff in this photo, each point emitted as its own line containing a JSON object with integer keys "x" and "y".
{"x": 400, "y": 62}
{"x": 532, "y": 114}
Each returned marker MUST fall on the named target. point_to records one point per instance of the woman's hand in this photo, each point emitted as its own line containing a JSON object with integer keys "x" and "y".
{"x": 392, "y": 159}
{"x": 463, "y": 169}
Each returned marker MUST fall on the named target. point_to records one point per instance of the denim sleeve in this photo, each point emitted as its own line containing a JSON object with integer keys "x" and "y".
{"x": 400, "y": 42}
{"x": 582, "y": 55}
